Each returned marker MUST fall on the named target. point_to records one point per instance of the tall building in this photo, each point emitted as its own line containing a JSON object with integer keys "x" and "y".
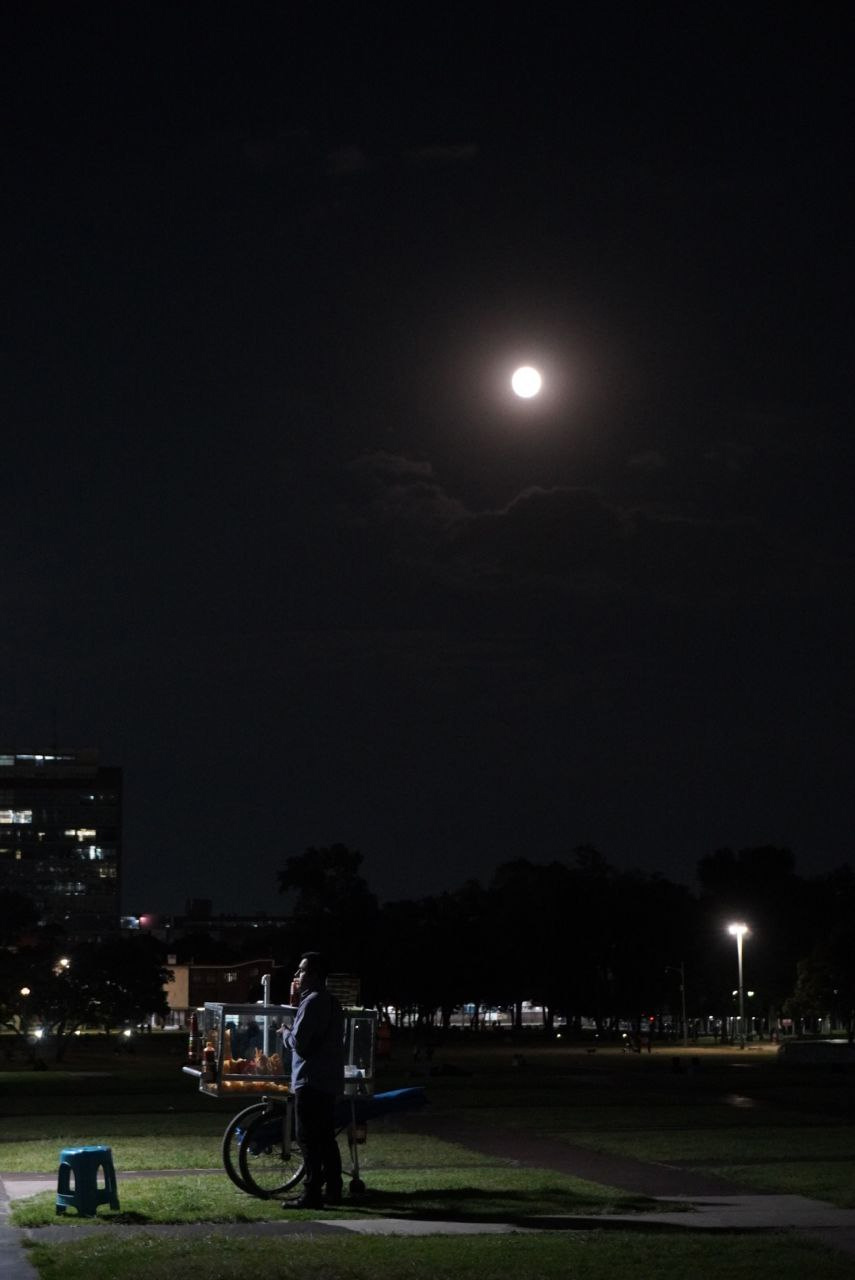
{"x": 61, "y": 837}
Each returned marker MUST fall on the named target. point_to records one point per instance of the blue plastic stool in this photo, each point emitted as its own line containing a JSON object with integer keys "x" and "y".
{"x": 77, "y": 1183}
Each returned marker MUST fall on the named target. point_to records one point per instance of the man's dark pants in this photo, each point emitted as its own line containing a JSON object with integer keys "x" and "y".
{"x": 316, "y": 1135}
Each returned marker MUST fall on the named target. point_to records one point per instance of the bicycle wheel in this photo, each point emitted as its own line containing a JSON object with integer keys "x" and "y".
{"x": 231, "y": 1142}
{"x": 267, "y": 1165}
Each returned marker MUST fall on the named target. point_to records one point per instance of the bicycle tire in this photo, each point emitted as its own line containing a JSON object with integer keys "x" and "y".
{"x": 231, "y": 1142}
{"x": 265, "y": 1170}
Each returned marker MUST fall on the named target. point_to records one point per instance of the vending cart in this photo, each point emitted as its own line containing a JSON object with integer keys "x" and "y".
{"x": 242, "y": 1055}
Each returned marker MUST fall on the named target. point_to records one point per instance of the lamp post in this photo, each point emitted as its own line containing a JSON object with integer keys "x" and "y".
{"x": 682, "y": 972}
{"x": 739, "y": 931}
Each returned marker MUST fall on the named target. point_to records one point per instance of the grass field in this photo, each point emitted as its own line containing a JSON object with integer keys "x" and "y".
{"x": 478, "y": 1192}
{"x": 584, "y": 1256}
{"x": 756, "y": 1123}
{"x": 161, "y": 1141}
{"x": 742, "y": 1118}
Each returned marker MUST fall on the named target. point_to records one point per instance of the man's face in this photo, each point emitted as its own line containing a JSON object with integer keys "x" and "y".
{"x": 301, "y": 974}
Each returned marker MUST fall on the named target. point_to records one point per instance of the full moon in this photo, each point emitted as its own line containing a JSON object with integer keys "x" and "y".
{"x": 526, "y": 382}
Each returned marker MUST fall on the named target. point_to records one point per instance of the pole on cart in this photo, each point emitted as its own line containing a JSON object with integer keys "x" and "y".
{"x": 265, "y": 987}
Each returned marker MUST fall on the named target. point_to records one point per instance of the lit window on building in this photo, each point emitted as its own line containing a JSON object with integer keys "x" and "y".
{"x": 15, "y": 817}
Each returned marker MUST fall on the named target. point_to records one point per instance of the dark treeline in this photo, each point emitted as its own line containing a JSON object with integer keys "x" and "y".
{"x": 586, "y": 941}
{"x": 574, "y": 936}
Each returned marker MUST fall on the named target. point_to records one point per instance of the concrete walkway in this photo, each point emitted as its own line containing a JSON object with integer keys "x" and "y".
{"x": 705, "y": 1204}
{"x": 711, "y": 1203}
{"x": 14, "y": 1263}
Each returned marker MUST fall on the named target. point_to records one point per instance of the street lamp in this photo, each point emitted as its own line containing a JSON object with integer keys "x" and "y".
{"x": 682, "y": 972}
{"x": 739, "y": 931}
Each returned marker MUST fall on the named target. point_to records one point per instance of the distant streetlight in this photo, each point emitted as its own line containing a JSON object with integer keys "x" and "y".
{"x": 670, "y": 968}
{"x": 739, "y": 931}
{"x": 25, "y": 991}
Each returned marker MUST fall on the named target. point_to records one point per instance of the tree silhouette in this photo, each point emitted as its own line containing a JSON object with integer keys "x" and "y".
{"x": 333, "y": 911}
{"x": 833, "y": 952}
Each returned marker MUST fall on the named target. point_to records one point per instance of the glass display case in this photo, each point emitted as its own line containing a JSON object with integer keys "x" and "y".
{"x": 360, "y": 1033}
{"x": 242, "y": 1050}
{"x": 243, "y": 1054}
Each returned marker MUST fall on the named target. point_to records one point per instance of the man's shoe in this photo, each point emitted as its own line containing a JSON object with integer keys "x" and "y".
{"x": 304, "y": 1202}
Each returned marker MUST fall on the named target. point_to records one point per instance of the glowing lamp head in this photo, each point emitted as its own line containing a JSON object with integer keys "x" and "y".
{"x": 738, "y": 930}
{"x": 526, "y": 382}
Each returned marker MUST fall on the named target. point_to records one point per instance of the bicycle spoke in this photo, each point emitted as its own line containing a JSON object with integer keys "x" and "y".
{"x": 267, "y": 1166}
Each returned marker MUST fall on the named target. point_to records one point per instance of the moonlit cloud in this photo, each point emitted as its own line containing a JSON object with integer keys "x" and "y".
{"x": 403, "y": 492}
{"x": 562, "y": 539}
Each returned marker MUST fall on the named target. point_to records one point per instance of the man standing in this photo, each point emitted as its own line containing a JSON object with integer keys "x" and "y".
{"x": 316, "y": 1041}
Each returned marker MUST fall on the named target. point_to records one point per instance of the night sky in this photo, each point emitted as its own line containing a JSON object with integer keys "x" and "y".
{"x": 277, "y": 537}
